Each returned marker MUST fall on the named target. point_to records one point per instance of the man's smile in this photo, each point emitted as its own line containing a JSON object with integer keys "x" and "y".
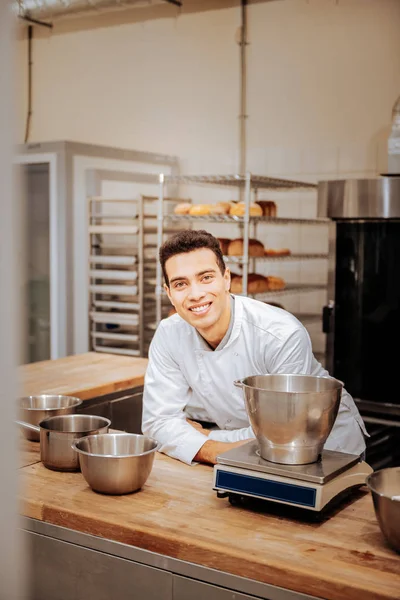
{"x": 200, "y": 309}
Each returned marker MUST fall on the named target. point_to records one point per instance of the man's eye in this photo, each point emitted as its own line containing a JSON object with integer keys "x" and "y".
{"x": 180, "y": 284}
{"x": 207, "y": 277}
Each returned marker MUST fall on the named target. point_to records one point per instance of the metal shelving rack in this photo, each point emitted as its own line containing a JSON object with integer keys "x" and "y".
{"x": 150, "y": 253}
{"x": 122, "y": 272}
{"x": 250, "y": 185}
{"x": 116, "y": 275}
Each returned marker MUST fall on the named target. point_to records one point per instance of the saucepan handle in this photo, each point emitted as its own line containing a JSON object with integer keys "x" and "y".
{"x": 238, "y": 383}
{"x": 29, "y": 426}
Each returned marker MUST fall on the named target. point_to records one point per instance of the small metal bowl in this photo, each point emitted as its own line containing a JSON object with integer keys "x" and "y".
{"x": 34, "y": 409}
{"x": 116, "y": 463}
{"x": 385, "y": 489}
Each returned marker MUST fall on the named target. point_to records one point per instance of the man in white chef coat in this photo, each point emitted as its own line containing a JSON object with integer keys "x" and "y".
{"x": 214, "y": 339}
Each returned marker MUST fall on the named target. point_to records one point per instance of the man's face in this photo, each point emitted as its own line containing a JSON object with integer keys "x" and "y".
{"x": 197, "y": 288}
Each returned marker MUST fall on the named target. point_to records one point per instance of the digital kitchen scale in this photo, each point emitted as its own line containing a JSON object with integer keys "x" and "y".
{"x": 241, "y": 472}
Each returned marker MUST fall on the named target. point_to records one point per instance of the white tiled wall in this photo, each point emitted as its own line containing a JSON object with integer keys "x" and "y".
{"x": 323, "y": 76}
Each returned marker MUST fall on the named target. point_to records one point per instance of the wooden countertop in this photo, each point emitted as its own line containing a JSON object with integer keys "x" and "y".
{"x": 29, "y": 452}
{"x": 83, "y": 375}
{"x": 177, "y": 514}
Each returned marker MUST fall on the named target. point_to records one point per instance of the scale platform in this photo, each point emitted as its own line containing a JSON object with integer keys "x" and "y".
{"x": 241, "y": 472}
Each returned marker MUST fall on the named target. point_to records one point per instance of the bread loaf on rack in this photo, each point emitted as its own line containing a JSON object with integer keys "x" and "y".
{"x": 224, "y": 244}
{"x": 200, "y": 210}
{"x": 256, "y": 284}
{"x": 182, "y": 208}
{"x": 238, "y": 210}
{"x": 221, "y": 208}
{"x": 277, "y": 252}
{"x": 276, "y": 283}
{"x": 268, "y": 208}
{"x": 236, "y": 248}
{"x": 275, "y": 304}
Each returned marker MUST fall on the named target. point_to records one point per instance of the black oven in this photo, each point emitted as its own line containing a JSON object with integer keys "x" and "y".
{"x": 362, "y": 318}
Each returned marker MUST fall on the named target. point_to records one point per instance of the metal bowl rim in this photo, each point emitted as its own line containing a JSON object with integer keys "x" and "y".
{"x": 107, "y": 423}
{"x": 77, "y": 401}
{"x": 74, "y": 446}
{"x": 375, "y": 491}
{"x": 252, "y": 387}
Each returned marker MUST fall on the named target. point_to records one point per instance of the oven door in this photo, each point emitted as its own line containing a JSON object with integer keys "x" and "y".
{"x": 366, "y": 328}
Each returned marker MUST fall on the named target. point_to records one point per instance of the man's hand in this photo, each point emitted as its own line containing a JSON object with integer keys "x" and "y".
{"x": 211, "y": 449}
{"x": 198, "y": 427}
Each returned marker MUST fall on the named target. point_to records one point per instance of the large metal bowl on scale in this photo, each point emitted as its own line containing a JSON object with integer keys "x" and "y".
{"x": 291, "y": 415}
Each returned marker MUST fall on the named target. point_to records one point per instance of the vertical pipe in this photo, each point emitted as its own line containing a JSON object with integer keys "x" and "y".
{"x": 91, "y": 250}
{"x": 140, "y": 273}
{"x": 254, "y": 260}
{"x": 243, "y": 89}
{"x": 29, "y": 113}
{"x": 247, "y": 191}
{"x": 160, "y": 224}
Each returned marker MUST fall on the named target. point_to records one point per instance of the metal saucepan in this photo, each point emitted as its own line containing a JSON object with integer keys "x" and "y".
{"x": 34, "y": 409}
{"x": 291, "y": 415}
{"x": 385, "y": 488}
{"x": 57, "y": 435}
{"x": 116, "y": 463}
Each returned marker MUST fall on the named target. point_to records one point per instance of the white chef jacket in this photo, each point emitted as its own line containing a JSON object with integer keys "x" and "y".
{"x": 184, "y": 371}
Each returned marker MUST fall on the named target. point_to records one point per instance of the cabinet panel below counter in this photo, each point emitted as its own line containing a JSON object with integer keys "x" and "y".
{"x": 64, "y": 571}
{"x": 124, "y": 409}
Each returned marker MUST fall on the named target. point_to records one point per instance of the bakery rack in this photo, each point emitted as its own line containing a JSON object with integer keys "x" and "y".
{"x": 116, "y": 275}
{"x": 122, "y": 272}
{"x": 150, "y": 240}
{"x": 250, "y": 185}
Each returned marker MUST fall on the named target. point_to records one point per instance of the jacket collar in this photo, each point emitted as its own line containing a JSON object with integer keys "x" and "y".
{"x": 202, "y": 346}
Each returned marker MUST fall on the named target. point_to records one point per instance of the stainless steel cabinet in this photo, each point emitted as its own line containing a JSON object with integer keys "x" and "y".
{"x": 64, "y": 571}
{"x": 70, "y": 565}
{"x": 124, "y": 409}
{"x": 126, "y": 413}
{"x": 184, "y": 588}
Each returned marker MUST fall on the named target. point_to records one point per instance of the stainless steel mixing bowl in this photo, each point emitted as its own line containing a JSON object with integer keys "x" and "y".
{"x": 385, "y": 489}
{"x": 34, "y": 409}
{"x": 291, "y": 415}
{"x": 116, "y": 463}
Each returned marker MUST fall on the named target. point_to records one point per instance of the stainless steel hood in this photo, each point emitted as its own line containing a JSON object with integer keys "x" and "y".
{"x": 376, "y": 198}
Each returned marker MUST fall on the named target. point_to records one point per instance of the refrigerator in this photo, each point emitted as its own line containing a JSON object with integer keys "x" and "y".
{"x": 55, "y": 180}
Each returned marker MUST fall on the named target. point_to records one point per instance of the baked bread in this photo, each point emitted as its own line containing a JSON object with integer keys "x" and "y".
{"x": 256, "y": 284}
{"x": 277, "y": 252}
{"x": 224, "y": 244}
{"x": 276, "y": 283}
{"x": 236, "y": 248}
{"x": 275, "y": 304}
{"x": 221, "y": 208}
{"x": 238, "y": 209}
{"x": 182, "y": 208}
{"x": 199, "y": 210}
{"x": 268, "y": 208}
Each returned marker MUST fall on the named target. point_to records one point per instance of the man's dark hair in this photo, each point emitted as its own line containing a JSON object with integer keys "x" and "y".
{"x": 188, "y": 240}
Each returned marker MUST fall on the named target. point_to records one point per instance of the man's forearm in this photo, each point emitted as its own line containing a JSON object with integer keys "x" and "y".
{"x": 211, "y": 449}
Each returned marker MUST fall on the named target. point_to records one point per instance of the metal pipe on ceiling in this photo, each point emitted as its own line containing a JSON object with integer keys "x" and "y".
{"x": 52, "y": 9}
